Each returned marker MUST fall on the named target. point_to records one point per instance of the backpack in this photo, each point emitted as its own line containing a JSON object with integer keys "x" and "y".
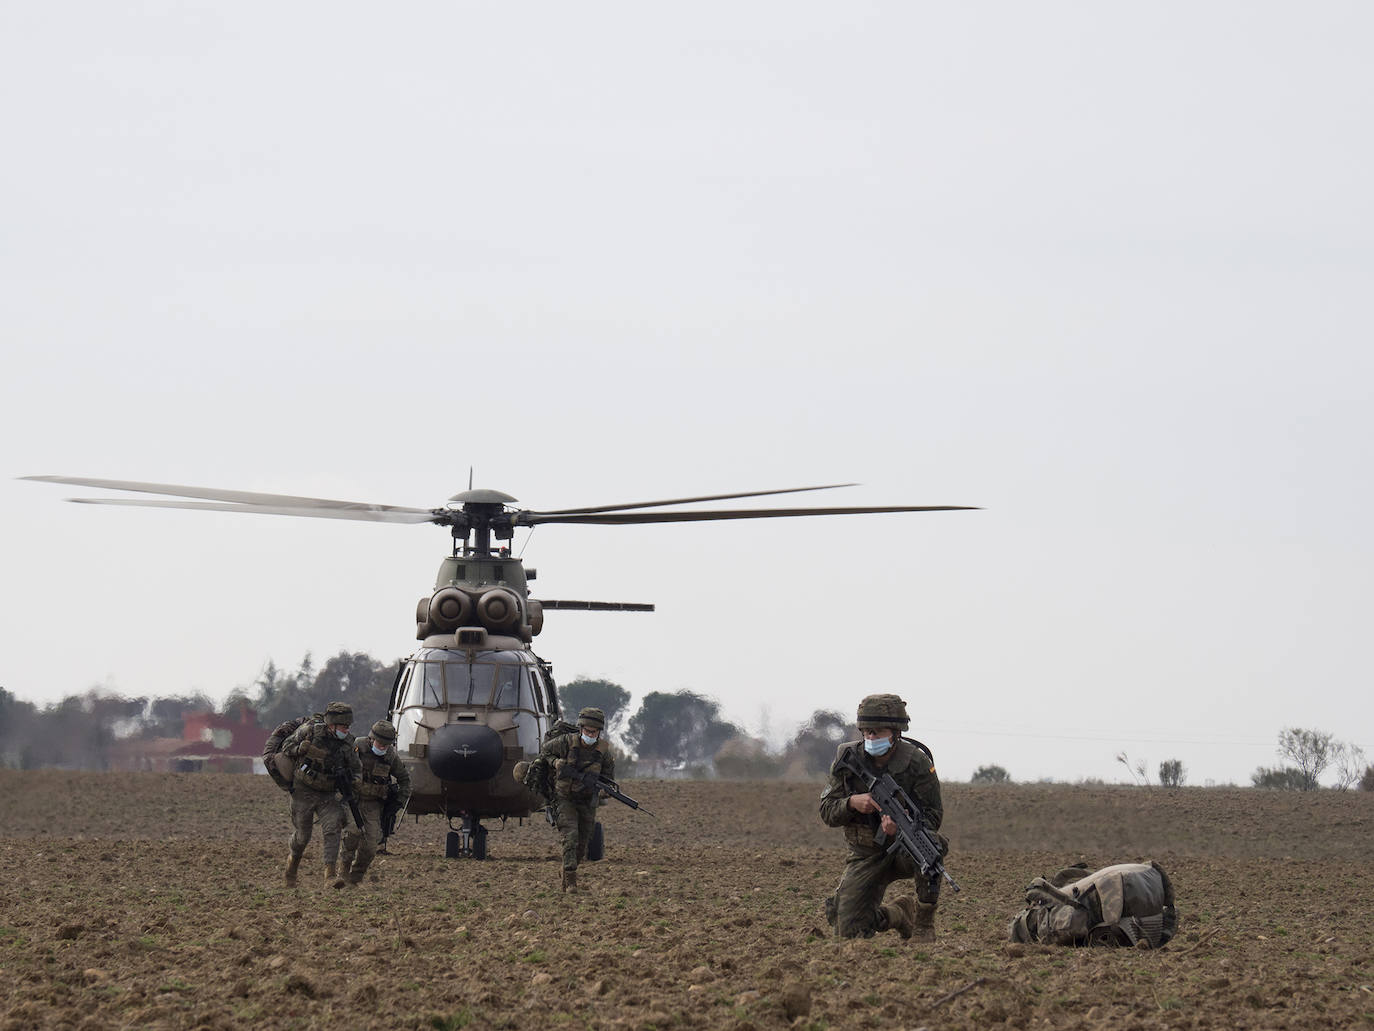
{"x": 273, "y": 745}
{"x": 1118, "y": 905}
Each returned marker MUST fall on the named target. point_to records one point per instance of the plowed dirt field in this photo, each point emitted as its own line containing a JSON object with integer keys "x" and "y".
{"x": 157, "y": 901}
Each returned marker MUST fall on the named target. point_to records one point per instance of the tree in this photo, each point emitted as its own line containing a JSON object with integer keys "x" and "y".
{"x": 816, "y": 740}
{"x": 679, "y": 727}
{"x": 1367, "y": 779}
{"x": 1279, "y": 778}
{"x": 1349, "y": 764}
{"x": 1310, "y": 752}
{"x": 610, "y": 698}
{"x": 1172, "y": 773}
{"x": 990, "y": 775}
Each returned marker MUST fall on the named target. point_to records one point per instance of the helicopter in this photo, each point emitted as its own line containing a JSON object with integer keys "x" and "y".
{"x": 474, "y": 698}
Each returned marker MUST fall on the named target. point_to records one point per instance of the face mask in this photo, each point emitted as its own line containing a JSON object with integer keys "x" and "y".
{"x": 341, "y": 734}
{"x": 378, "y": 751}
{"x": 589, "y": 740}
{"x": 877, "y": 746}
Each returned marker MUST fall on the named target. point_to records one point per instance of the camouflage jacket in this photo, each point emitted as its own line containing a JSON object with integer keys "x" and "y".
{"x": 319, "y": 755}
{"x": 910, "y": 767}
{"x": 566, "y": 753}
{"x": 379, "y": 771}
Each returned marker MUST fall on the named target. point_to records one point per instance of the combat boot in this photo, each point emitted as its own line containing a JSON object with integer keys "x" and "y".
{"x": 331, "y": 873}
{"x": 570, "y": 880}
{"x": 356, "y": 875}
{"x": 901, "y": 915}
{"x": 924, "y": 922}
{"x": 292, "y": 862}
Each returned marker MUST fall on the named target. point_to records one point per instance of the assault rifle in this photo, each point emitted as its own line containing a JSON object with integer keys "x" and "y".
{"x": 391, "y": 809}
{"x": 344, "y": 783}
{"x": 912, "y": 837}
{"x": 608, "y": 787}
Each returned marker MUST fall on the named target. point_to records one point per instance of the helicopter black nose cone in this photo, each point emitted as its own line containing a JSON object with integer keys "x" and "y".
{"x": 465, "y": 752}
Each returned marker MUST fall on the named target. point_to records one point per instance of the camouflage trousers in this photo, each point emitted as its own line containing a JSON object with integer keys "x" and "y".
{"x": 575, "y": 820}
{"x": 856, "y": 907}
{"x": 360, "y": 845}
{"x": 306, "y": 804}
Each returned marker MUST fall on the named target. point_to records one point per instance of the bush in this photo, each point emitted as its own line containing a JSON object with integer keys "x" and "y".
{"x": 991, "y": 775}
{"x": 1285, "y": 778}
{"x": 1172, "y": 773}
{"x": 1367, "y": 781}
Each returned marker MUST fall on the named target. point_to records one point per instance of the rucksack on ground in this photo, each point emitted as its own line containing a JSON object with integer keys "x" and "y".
{"x": 1120, "y": 905}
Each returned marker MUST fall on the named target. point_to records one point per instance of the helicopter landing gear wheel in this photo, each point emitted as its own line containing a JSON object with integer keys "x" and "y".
{"x": 467, "y": 842}
{"x": 596, "y": 846}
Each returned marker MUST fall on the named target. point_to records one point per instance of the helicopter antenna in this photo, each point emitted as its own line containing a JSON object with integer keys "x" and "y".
{"x": 469, "y": 477}
{"x": 527, "y": 542}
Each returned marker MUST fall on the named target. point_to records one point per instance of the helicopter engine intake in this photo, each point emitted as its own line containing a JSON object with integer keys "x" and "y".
{"x": 498, "y": 609}
{"x": 465, "y": 752}
{"x": 449, "y": 609}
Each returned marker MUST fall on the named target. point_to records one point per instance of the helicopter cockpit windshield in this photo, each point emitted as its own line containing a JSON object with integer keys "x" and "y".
{"x": 506, "y": 690}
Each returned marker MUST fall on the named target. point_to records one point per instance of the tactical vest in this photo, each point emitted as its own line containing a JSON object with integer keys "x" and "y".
{"x": 318, "y": 757}
{"x": 584, "y": 759}
{"x": 863, "y": 831}
{"x": 376, "y": 771}
{"x": 1117, "y": 905}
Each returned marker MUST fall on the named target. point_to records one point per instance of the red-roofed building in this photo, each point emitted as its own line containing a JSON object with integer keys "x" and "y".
{"x": 225, "y": 744}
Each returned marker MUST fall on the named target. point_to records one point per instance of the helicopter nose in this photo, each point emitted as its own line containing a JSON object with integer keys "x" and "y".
{"x": 465, "y": 752}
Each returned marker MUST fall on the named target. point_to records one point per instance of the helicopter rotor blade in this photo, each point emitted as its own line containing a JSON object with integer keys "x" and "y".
{"x": 215, "y": 494}
{"x": 597, "y": 606}
{"x": 619, "y": 518}
{"x": 689, "y": 501}
{"x": 362, "y": 512}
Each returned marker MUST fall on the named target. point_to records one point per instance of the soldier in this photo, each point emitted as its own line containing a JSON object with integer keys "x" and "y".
{"x": 321, "y": 750}
{"x": 857, "y": 909}
{"x": 381, "y": 764}
{"x": 576, "y": 759}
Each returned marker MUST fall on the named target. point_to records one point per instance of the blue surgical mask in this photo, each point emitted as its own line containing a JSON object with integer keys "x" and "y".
{"x": 378, "y": 751}
{"x": 340, "y": 734}
{"x": 877, "y": 745}
{"x": 588, "y": 740}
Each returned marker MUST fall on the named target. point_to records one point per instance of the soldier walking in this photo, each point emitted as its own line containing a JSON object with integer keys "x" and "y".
{"x": 381, "y": 764}
{"x": 857, "y": 908}
{"x": 577, "y": 759}
{"x": 320, "y": 751}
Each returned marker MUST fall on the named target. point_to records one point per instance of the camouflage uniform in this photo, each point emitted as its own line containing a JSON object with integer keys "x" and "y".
{"x": 856, "y": 909}
{"x": 575, "y": 803}
{"x": 318, "y": 754}
{"x": 360, "y": 845}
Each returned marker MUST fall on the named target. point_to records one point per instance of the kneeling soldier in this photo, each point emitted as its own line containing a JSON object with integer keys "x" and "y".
{"x": 380, "y": 764}
{"x": 321, "y": 751}
{"x": 857, "y": 909}
{"x": 577, "y": 760}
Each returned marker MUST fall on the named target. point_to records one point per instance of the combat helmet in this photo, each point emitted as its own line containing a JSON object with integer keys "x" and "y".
{"x": 382, "y": 730}
{"x": 591, "y": 716}
{"x": 339, "y": 713}
{"x": 882, "y": 711}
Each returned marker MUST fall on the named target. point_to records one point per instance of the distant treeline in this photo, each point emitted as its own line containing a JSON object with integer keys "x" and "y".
{"x": 671, "y": 734}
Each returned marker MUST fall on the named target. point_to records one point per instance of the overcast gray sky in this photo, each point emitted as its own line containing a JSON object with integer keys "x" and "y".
{"x": 1103, "y": 269}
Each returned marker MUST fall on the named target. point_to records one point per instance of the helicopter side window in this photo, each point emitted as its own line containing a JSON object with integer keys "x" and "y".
{"x": 507, "y": 687}
{"x": 537, "y": 686}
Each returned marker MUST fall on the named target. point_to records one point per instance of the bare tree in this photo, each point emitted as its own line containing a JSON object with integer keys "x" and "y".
{"x": 1349, "y": 765}
{"x": 1172, "y": 773}
{"x": 1310, "y": 751}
